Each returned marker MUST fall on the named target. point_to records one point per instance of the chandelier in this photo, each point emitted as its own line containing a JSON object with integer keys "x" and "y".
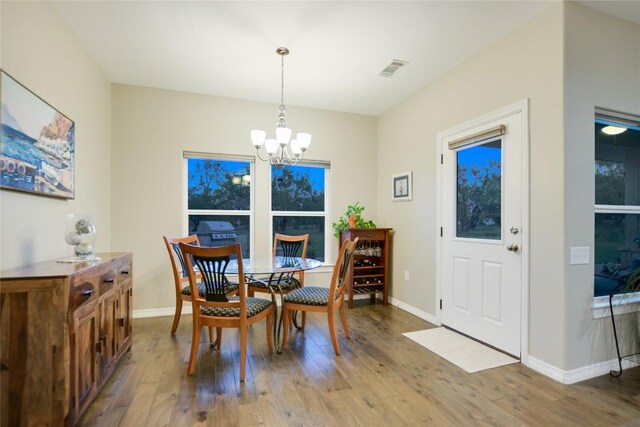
{"x": 282, "y": 150}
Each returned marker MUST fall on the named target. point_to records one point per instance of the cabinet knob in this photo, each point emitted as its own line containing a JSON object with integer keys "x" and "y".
{"x": 124, "y": 272}
{"x": 108, "y": 280}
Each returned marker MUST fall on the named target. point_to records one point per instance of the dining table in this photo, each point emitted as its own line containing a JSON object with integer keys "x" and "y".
{"x": 273, "y": 272}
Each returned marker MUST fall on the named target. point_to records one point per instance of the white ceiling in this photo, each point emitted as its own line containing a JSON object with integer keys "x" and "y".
{"x": 337, "y": 48}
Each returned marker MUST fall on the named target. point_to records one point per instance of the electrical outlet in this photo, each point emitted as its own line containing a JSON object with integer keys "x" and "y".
{"x": 579, "y": 255}
{"x": 406, "y": 276}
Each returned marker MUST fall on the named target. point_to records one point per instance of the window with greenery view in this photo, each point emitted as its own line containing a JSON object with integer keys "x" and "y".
{"x": 219, "y": 201}
{"x": 479, "y": 191}
{"x": 299, "y": 204}
{"x": 617, "y": 201}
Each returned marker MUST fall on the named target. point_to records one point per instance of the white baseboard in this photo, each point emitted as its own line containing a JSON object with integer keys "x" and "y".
{"x": 415, "y": 311}
{"x": 545, "y": 369}
{"x": 576, "y": 375}
{"x": 159, "y": 312}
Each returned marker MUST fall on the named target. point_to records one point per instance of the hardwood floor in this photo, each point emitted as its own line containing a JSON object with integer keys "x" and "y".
{"x": 382, "y": 378}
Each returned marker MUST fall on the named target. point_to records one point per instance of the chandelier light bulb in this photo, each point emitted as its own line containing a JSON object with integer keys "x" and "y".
{"x": 295, "y": 147}
{"x": 271, "y": 145}
{"x": 257, "y": 138}
{"x": 283, "y": 135}
{"x": 304, "y": 140}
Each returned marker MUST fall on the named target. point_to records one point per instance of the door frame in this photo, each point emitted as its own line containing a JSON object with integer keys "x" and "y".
{"x": 515, "y": 108}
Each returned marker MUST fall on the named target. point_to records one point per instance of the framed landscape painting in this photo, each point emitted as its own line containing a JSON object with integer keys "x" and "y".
{"x": 37, "y": 143}
{"x": 401, "y": 187}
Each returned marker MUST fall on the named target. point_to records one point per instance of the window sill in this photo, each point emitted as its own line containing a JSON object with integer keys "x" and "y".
{"x": 324, "y": 268}
{"x": 631, "y": 304}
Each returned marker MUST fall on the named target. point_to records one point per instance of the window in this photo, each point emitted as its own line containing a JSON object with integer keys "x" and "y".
{"x": 299, "y": 204}
{"x": 617, "y": 200}
{"x": 219, "y": 200}
{"x": 479, "y": 191}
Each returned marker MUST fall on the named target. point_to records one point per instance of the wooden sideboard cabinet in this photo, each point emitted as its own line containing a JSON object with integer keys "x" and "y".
{"x": 370, "y": 263}
{"x": 64, "y": 328}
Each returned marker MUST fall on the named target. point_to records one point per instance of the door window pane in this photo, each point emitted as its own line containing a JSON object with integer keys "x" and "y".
{"x": 617, "y": 250}
{"x": 297, "y": 188}
{"x": 298, "y": 225}
{"x": 219, "y": 184}
{"x": 479, "y": 191}
{"x": 221, "y": 230}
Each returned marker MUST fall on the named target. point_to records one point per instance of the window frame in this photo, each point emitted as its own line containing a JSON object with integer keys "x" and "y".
{"x": 185, "y": 193}
{"x": 627, "y": 303}
{"x": 326, "y": 165}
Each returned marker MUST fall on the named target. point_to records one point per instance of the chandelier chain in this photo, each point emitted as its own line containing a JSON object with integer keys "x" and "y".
{"x": 282, "y": 82}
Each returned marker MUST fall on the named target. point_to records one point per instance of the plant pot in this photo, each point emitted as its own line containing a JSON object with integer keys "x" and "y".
{"x": 353, "y": 220}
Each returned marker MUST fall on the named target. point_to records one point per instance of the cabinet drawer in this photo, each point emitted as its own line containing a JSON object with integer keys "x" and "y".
{"x": 369, "y": 234}
{"x": 108, "y": 280}
{"x": 83, "y": 290}
{"x": 125, "y": 271}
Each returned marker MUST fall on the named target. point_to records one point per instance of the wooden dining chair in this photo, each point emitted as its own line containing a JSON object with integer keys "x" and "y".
{"x": 320, "y": 299}
{"x": 215, "y": 308}
{"x": 180, "y": 277}
{"x": 290, "y": 246}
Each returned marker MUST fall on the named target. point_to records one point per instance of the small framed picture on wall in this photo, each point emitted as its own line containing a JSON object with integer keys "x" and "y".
{"x": 401, "y": 187}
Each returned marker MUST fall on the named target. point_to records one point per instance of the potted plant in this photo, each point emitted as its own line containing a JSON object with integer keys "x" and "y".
{"x": 352, "y": 218}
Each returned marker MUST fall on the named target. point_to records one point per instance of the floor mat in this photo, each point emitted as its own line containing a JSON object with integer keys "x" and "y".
{"x": 463, "y": 352}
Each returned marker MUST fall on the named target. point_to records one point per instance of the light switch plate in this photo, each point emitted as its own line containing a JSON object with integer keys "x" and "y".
{"x": 579, "y": 255}
{"x": 406, "y": 276}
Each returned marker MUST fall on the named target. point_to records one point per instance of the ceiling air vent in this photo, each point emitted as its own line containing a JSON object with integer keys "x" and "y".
{"x": 393, "y": 68}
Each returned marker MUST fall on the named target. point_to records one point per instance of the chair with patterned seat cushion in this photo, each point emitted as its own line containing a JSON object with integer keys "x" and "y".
{"x": 215, "y": 308}
{"x": 180, "y": 278}
{"x": 319, "y": 299}
{"x": 288, "y": 247}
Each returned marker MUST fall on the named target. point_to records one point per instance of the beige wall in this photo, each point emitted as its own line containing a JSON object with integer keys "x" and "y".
{"x": 39, "y": 50}
{"x": 152, "y": 128}
{"x": 603, "y": 70}
{"x": 525, "y": 64}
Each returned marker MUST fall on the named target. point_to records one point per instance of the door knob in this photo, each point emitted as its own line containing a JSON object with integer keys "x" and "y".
{"x": 512, "y": 247}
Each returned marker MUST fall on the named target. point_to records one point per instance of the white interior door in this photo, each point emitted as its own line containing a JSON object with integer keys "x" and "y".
{"x": 481, "y": 212}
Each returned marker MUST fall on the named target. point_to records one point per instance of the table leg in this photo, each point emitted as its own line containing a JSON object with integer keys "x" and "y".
{"x": 276, "y": 289}
{"x": 274, "y": 286}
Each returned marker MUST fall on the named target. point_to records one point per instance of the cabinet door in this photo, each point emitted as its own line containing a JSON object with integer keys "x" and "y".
{"x": 108, "y": 333}
{"x": 86, "y": 356}
{"x": 124, "y": 316}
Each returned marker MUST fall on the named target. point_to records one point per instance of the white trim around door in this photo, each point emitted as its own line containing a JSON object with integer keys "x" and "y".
{"x": 521, "y": 107}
